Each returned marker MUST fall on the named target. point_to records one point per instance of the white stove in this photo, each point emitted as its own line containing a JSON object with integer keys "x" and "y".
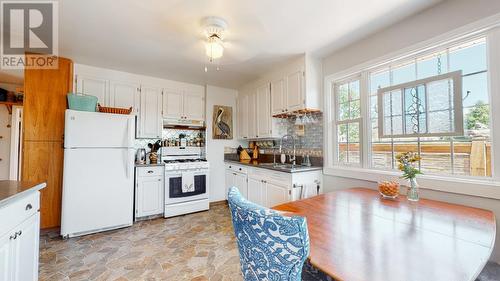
{"x": 186, "y": 180}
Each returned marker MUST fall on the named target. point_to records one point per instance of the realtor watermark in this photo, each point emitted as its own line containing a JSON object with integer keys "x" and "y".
{"x": 29, "y": 34}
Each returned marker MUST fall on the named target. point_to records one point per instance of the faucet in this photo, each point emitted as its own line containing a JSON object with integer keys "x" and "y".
{"x": 292, "y": 158}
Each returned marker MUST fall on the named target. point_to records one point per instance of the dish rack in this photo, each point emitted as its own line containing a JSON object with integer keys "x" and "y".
{"x": 114, "y": 110}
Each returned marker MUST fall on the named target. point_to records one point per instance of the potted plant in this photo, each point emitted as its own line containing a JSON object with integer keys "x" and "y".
{"x": 407, "y": 163}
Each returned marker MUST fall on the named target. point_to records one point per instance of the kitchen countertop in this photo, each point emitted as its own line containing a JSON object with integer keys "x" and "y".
{"x": 269, "y": 166}
{"x": 10, "y": 190}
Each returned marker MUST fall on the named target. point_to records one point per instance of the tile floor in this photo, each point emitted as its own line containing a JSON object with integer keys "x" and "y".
{"x": 194, "y": 247}
{"x": 197, "y": 247}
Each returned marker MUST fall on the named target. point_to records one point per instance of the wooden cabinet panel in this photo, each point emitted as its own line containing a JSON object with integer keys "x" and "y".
{"x": 150, "y": 121}
{"x": 45, "y": 101}
{"x": 125, "y": 95}
{"x": 295, "y": 100}
{"x": 172, "y": 104}
{"x": 243, "y": 116}
{"x": 43, "y": 162}
{"x": 263, "y": 111}
{"x": 194, "y": 106}
{"x": 278, "y": 96}
{"x": 94, "y": 86}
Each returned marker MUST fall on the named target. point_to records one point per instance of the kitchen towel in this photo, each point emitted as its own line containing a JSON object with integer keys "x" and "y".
{"x": 187, "y": 182}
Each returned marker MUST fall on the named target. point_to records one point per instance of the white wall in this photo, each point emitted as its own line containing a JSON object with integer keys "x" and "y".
{"x": 5, "y": 119}
{"x": 430, "y": 23}
{"x": 215, "y": 147}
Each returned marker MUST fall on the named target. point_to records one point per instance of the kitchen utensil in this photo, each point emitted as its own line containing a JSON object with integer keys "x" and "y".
{"x": 141, "y": 156}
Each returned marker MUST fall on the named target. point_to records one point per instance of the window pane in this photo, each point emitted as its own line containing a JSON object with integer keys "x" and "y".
{"x": 403, "y": 74}
{"x": 343, "y": 93}
{"x": 353, "y": 131}
{"x": 382, "y": 155}
{"x": 440, "y": 95}
{"x": 379, "y": 80}
{"x": 431, "y": 66}
{"x": 436, "y": 156}
{"x": 342, "y": 133}
{"x": 355, "y": 109}
{"x": 344, "y": 111}
{"x": 475, "y": 89}
{"x": 373, "y": 107}
{"x": 469, "y": 59}
{"x": 440, "y": 121}
{"x": 353, "y": 153}
{"x": 354, "y": 90}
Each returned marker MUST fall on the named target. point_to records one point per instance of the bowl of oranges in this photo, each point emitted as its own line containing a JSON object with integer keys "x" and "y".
{"x": 389, "y": 189}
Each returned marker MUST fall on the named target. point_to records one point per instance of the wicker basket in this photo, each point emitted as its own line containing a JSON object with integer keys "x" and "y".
{"x": 114, "y": 110}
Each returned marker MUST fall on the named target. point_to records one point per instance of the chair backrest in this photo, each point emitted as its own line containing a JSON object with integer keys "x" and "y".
{"x": 271, "y": 246}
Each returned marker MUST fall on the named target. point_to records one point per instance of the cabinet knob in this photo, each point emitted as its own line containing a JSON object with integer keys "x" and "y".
{"x": 159, "y": 179}
{"x": 240, "y": 169}
{"x": 150, "y": 172}
{"x": 230, "y": 167}
{"x": 28, "y": 207}
{"x": 19, "y": 233}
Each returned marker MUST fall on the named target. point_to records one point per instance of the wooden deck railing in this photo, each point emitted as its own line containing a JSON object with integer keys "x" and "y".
{"x": 478, "y": 152}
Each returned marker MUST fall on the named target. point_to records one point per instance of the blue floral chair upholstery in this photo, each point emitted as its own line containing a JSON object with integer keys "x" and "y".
{"x": 271, "y": 246}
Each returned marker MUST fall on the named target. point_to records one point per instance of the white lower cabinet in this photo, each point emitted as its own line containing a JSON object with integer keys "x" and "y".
{"x": 149, "y": 189}
{"x": 236, "y": 179}
{"x": 269, "y": 188}
{"x": 256, "y": 192}
{"x": 19, "y": 239}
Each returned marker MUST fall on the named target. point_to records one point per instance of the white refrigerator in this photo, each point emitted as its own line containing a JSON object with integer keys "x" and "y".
{"x": 98, "y": 177}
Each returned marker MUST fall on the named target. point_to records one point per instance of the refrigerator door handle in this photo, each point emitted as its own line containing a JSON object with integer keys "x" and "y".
{"x": 130, "y": 132}
{"x": 127, "y": 162}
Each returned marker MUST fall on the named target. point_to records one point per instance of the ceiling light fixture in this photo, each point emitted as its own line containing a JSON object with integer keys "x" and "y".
{"x": 214, "y": 46}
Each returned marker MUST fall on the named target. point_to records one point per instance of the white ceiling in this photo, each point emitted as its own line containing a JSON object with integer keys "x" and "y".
{"x": 164, "y": 38}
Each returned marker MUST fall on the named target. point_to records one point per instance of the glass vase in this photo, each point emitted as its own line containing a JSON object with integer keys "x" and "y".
{"x": 412, "y": 194}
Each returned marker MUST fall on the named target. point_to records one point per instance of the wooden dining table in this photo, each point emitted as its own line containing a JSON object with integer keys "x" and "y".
{"x": 355, "y": 235}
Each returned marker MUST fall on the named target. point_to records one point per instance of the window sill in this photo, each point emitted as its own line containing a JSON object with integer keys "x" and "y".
{"x": 488, "y": 188}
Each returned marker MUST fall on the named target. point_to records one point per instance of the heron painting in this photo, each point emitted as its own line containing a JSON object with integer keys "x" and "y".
{"x": 222, "y": 127}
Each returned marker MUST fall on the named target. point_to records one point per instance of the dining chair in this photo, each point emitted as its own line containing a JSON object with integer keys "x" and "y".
{"x": 271, "y": 246}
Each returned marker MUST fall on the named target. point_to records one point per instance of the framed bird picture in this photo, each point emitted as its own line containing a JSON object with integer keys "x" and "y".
{"x": 222, "y": 126}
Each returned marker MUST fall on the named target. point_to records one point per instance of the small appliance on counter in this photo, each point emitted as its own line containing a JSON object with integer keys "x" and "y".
{"x": 140, "y": 157}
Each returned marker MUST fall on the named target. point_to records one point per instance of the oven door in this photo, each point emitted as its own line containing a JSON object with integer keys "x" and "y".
{"x": 173, "y": 187}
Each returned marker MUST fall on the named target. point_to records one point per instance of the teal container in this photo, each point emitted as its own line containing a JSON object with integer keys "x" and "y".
{"x": 82, "y": 102}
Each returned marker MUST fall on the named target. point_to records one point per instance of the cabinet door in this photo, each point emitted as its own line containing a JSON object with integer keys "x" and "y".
{"x": 229, "y": 180}
{"x": 255, "y": 191}
{"x": 149, "y": 196}
{"x": 240, "y": 181}
{"x": 150, "y": 123}
{"x": 252, "y": 116}
{"x": 294, "y": 86}
{"x": 263, "y": 111}
{"x": 43, "y": 162}
{"x": 125, "y": 95}
{"x": 172, "y": 104}
{"x": 194, "y": 106}
{"x": 278, "y": 98}
{"x": 25, "y": 250}
{"x": 243, "y": 116}
{"x": 94, "y": 86}
{"x": 276, "y": 194}
{"x": 45, "y": 101}
{"x": 5, "y": 256}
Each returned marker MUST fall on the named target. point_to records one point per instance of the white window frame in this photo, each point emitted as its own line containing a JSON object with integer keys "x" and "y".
{"x": 456, "y": 76}
{"x": 358, "y": 120}
{"x": 475, "y": 186}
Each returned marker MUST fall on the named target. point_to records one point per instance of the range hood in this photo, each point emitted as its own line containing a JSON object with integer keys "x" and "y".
{"x": 175, "y": 122}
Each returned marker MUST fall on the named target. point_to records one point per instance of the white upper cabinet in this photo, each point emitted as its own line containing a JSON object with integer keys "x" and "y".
{"x": 278, "y": 96}
{"x": 150, "y": 117}
{"x": 93, "y": 86}
{"x": 263, "y": 111}
{"x": 242, "y": 108}
{"x": 184, "y": 104}
{"x": 125, "y": 95}
{"x": 295, "y": 100}
{"x": 252, "y": 115}
{"x": 172, "y": 104}
{"x": 194, "y": 105}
